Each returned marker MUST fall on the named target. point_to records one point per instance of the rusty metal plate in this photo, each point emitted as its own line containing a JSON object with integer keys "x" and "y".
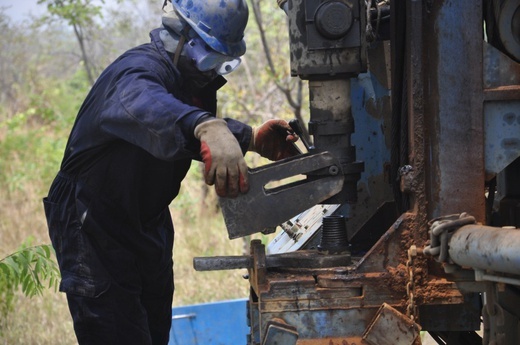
{"x": 278, "y": 332}
{"x": 390, "y": 327}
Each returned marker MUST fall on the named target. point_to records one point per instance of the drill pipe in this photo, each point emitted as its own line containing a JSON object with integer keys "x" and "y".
{"x": 486, "y": 248}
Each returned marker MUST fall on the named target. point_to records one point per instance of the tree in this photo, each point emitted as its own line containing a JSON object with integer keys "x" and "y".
{"x": 263, "y": 88}
{"x": 80, "y": 15}
{"x": 287, "y": 87}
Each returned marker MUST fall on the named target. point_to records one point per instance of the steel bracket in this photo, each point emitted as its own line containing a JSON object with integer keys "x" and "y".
{"x": 265, "y": 207}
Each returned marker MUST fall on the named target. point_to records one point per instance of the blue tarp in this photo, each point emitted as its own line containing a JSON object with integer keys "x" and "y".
{"x": 218, "y": 323}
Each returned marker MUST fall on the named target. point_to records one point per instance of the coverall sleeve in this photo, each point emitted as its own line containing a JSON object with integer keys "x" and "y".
{"x": 141, "y": 109}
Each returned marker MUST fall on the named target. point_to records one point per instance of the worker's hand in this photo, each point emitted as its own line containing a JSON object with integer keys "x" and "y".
{"x": 274, "y": 140}
{"x": 224, "y": 164}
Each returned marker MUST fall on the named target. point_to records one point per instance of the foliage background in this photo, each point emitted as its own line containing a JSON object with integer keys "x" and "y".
{"x": 43, "y": 83}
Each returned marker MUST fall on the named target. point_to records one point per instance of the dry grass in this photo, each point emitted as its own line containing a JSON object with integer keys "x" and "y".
{"x": 39, "y": 321}
{"x": 42, "y": 319}
{"x": 200, "y": 232}
{"x": 203, "y": 239}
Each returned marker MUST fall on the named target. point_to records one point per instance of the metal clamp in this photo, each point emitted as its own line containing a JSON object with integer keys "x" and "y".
{"x": 265, "y": 206}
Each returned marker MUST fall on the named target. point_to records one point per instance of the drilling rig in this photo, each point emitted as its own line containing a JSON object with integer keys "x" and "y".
{"x": 405, "y": 217}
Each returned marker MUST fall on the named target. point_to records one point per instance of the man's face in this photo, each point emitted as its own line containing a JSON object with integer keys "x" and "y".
{"x": 195, "y": 80}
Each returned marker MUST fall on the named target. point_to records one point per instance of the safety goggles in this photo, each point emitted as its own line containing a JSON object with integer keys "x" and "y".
{"x": 207, "y": 59}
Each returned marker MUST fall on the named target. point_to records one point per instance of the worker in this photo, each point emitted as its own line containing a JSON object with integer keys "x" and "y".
{"x": 149, "y": 114}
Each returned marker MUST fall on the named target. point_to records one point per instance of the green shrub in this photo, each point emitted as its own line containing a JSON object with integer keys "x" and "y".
{"x": 31, "y": 269}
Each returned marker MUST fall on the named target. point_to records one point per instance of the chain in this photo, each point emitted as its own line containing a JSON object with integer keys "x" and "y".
{"x": 411, "y": 308}
{"x": 440, "y": 230}
{"x": 370, "y": 34}
{"x": 369, "y": 31}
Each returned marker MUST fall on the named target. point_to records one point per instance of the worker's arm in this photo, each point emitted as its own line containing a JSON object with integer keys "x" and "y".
{"x": 143, "y": 110}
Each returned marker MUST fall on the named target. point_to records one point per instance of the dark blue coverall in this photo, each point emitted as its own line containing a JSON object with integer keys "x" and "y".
{"x": 107, "y": 210}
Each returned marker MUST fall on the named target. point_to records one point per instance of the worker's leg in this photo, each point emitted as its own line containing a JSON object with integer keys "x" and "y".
{"x": 103, "y": 312}
{"x": 156, "y": 267}
{"x": 158, "y": 304}
{"x": 114, "y": 316}
{"x": 118, "y": 284}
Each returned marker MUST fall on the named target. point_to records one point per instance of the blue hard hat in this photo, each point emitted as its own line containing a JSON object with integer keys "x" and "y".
{"x": 220, "y": 23}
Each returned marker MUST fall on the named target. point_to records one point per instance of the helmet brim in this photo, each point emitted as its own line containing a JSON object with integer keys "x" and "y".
{"x": 234, "y": 49}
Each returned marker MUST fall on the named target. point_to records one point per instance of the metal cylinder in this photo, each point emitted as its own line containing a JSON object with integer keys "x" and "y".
{"x": 486, "y": 248}
{"x": 334, "y": 237}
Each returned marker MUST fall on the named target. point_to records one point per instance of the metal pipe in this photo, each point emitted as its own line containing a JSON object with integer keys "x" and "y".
{"x": 481, "y": 276}
{"x": 184, "y": 316}
{"x": 486, "y": 248}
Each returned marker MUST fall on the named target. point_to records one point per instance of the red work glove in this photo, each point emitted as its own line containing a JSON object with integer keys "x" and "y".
{"x": 224, "y": 163}
{"x": 274, "y": 140}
